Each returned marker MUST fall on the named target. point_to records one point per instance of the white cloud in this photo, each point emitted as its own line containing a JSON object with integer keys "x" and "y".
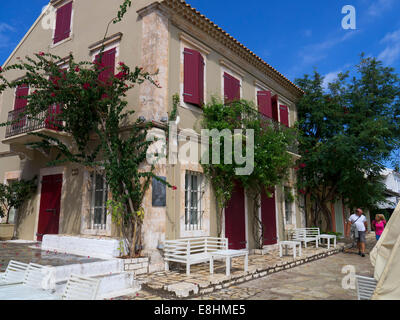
{"x": 329, "y": 77}
{"x": 5, "y": 29}
{"x": 318, "y": 51}
{"x": 379, "y": 6}
{"x": 392, "y": 50}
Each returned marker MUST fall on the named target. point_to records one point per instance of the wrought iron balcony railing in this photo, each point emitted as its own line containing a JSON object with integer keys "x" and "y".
{"x": 24, "y": 123}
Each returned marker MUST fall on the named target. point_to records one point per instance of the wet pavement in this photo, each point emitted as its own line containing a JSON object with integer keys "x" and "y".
{"x": 30, "y": 252}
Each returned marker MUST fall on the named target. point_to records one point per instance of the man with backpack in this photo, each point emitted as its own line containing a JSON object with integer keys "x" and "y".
{"x": 359, "y": 227}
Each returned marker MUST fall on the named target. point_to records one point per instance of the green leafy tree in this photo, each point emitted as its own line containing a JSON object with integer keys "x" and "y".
{"x": 94, "y": 114}
{"x": 271, "y": 159}
{"x": 14, "y": 195}
{"x": 347, "y": 132}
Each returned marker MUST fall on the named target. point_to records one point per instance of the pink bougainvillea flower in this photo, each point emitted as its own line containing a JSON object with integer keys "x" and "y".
{"x": 86, "y": 86}
{"x": 307, "y": 151}
{"x": 174, "y": 188}
{"x": 53, "y": 94}
{"x": 77, "y": 69}
{"x": 1, "y": 69}
{"x": 297, "y": 168}
{"x": 104, "y": 96}
{"x": 122, "y": 64}
{"x": 302, "y": 165}
{"x": 120, "y": 75}
{"x": 41, "y": 53}
{"x": 302, "y": 191}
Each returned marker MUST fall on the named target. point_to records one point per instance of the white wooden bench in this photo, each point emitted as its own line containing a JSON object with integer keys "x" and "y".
{"x": 192, "y": 250}
{"x": 14, "y": 274}
{"x": 306, "y": 235}
{"x": 365, "y": 287}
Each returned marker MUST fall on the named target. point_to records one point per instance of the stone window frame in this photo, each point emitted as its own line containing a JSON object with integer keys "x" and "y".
{"x": 86, "y": 209}
{"x": 205, "y": 203}
{"x": 293, "y": 221}
{"x": 56, "y": 5}
{"x": 187, "y": 41}
{"x": 232, "y": 70}
{"x": 112, "y": 42}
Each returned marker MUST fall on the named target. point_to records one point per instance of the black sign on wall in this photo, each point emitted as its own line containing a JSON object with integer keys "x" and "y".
{"x": 159, "y": 190}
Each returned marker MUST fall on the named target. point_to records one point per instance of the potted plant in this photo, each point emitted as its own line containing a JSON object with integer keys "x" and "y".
{"x": 13, "y": 195}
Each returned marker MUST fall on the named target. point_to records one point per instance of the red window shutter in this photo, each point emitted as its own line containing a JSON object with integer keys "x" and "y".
{"x": 264, "y": 103}
{"x": 231, "y": 88}
{"x": 274, "y": 103}
{"x": 284, "y": 115}
{"x": 108, "y": 63}
{"x": 63, "y": 22}
{"x": 193, "y": 78}
{"x": 21, "y": 91}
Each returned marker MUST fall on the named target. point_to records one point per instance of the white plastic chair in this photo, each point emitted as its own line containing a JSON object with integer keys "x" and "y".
{"x": 14, "y": 274}
{"x": 365, "y": 287}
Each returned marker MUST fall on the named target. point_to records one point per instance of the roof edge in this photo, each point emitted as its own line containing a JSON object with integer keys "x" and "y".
{"x": 184, "y": 5}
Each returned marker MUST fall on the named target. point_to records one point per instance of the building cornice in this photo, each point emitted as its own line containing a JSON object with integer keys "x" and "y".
{"x": 195, "y": 18}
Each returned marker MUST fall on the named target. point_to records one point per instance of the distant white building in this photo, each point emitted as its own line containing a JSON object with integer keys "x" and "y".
{"x": 392, "y": 182}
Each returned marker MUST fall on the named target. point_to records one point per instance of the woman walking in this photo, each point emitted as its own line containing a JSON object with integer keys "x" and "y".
{"x": 379, "y": 225}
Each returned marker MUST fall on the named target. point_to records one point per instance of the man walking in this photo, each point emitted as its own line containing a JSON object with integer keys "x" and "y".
{"x": 360, "y": 222}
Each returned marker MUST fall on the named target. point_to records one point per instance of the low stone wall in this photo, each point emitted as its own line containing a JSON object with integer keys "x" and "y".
{"x": 137, "y": 266}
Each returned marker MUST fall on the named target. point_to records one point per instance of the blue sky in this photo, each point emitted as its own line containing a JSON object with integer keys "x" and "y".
{"x": 293, "y": 36}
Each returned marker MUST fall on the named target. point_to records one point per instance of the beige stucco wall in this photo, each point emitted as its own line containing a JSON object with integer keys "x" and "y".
{"x": 152, "y": 40}
{"x": 84, "y": 34}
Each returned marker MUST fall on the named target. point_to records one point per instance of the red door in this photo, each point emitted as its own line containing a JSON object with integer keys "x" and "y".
{"x": 49, "y": 213}
{"x": 235, "y": 223}
{"x": 268, "y": 218}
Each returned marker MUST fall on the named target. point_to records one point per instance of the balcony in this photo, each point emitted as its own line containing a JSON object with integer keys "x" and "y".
{"x": 25, "y": 124}
{"x": 268, "y": 121}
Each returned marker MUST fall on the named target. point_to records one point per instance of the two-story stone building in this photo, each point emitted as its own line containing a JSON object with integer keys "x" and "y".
{"x": 194, "y": 58}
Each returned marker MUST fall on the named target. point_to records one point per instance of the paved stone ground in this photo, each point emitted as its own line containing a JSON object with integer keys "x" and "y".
{"x": 24, "y": 252}
{"x": 317, "y": 280}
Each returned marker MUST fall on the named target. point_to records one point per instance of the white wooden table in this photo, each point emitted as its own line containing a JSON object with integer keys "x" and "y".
{"x": 328, "y": 238}
{"x": 292, "y": 244}
{"x": 228, "y": 255}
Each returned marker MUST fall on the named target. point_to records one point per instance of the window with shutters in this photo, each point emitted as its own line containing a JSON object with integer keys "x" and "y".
{"x": 19, "y": 108}
{"x": 106, "y": 62}
{"x": 275, "y": 105}
{"x": 284, "y": 115}
{"x": 193, "y": 201}
{"x": 193, "y": 78}
{"x": 63, "y": 23}
{"x": 264, "y": 103}
{"x": 288, "y": 206}
{"x": 98, "y": 201}
{"x": 232, "y": 87}
{"x": 20, "y": 93}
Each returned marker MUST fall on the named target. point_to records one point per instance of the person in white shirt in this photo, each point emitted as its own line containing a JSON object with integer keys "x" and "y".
{"x": 361, "y": 224}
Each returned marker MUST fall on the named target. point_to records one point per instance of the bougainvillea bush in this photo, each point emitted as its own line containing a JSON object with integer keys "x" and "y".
{"x": 92, "y": 110}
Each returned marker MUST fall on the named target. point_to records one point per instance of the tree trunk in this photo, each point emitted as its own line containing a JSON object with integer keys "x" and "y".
{"x": 8, "y": 215}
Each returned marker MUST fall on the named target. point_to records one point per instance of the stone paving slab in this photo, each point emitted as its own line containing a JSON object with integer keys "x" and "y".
{"x": 175, "y": 284}
{"x": 30, "y": 252}
{"x": 318, "y": 280}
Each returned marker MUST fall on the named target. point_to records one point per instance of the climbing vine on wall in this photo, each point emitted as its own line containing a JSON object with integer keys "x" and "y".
{"x": 271, "y": 159}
